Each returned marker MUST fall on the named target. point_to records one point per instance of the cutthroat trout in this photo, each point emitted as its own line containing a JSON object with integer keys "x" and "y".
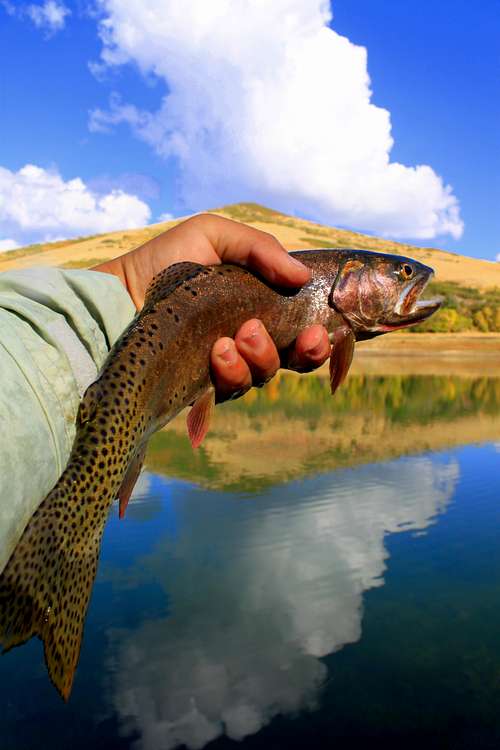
{"x": 159, "y": 366}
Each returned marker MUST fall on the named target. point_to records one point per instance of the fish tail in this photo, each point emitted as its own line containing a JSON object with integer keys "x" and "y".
{"x": 44, "y": 592}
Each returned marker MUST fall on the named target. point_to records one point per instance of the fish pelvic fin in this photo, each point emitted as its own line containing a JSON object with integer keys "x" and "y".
{"x": 89, "y": 402}
{"x": 343, "y": 341}
{"x": 130, "y": 479}
{"x": 44, "y": 591}
{"x": 198, "y": 419}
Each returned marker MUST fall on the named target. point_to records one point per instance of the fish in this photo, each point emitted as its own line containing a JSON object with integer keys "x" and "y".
{"x": 159, "y": 366}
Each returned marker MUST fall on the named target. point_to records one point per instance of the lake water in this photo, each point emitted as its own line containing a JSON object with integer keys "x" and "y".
{"x": 322, "y": 573}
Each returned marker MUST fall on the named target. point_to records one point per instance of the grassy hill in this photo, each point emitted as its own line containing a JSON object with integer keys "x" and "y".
{"x": 471, "y": 287}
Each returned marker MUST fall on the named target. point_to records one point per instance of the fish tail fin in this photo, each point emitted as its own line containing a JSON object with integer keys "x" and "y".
{"x": 44, "y": 592}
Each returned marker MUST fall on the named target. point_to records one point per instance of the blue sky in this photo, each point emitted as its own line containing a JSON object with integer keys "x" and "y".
{"x": 169, "y": 123}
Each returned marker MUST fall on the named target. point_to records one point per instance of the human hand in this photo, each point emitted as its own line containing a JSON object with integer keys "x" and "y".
{"x": 251, "y": 357}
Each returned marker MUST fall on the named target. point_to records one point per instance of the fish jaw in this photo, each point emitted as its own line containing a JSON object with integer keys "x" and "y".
{"x": 410, "y": 309}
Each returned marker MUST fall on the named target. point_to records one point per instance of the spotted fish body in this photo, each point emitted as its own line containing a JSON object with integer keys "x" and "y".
{"x": 158, "y": 367}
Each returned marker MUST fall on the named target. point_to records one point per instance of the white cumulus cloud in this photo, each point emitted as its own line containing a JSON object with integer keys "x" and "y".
{"x": 49, "y": 16}
{"x": 165, "y": 216}
{"x": 266, "y": 102}
{"x": 8, "y": 244}
{"x": 36, "y": 203}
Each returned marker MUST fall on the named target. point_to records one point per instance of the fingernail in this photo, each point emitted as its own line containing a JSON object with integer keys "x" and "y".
{"x": 227, "y": 354}
{"x": 296, "y": 262}
{"x": 316, "y": 347}
{"x": 253, "y": 336}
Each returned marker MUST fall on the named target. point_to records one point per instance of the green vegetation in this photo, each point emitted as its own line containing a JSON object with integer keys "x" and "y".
{"x": 250, "y": 212}
{"x": 399, "y": 398}
{"x": 318, "y": 241}
{"x": 464, "y": 309}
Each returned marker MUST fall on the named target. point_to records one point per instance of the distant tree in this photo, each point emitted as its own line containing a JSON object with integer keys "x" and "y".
{"x": 481, "y": 321}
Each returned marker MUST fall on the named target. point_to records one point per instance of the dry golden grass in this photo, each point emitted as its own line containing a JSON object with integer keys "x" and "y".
{"x": 294, "y": 233}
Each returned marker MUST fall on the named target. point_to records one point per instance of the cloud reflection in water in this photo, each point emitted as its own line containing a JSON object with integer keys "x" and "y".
{"x": 261, "y": 589}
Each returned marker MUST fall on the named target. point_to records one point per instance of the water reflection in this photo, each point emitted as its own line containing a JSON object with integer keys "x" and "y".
{"x": 293, "y": 428}
{"x": 260, "y": 590}
{"x": 263, "y": 572}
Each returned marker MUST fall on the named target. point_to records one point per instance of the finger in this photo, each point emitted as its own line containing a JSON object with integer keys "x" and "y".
{"x": 230, "y": 372}
{"x": 246, "y": 246}
{"x": 312, "y": 348}
{"x": 258, "y": 350}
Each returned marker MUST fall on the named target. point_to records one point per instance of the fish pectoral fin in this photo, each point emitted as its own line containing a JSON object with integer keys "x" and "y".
{"x": 198, "y": 419}
{"x": 130, "y": 479}
{"x": 341, "y": 356}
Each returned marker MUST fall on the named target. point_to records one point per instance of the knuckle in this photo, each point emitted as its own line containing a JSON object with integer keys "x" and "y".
{"x": 273, "y": 242}
{"x": 203, "y": 219}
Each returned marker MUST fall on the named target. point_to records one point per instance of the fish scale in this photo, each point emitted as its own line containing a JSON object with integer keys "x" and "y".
{"x": 159, "y": 366}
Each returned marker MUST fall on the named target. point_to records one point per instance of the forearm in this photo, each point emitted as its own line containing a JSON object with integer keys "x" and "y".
{"x": 56, "y": 328}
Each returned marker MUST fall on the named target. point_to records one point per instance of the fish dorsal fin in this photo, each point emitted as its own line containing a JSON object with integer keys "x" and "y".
{"x": 130, "y": 479}
{"x": 341, "y": 356}
{"x": 198, "y": 419}
{"x": 172, "y": 277}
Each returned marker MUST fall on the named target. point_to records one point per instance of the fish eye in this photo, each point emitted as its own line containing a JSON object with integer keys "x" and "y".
{"x": 406, "y": 271}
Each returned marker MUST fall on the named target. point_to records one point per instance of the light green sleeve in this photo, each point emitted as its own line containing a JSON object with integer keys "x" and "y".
{"x": 56, "y": 328}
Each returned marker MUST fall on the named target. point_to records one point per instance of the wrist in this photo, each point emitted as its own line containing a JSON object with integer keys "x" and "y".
{"x": 123, "y": 270}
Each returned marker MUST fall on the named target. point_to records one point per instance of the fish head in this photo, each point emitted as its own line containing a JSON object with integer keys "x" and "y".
{"x": 377, "y": 293}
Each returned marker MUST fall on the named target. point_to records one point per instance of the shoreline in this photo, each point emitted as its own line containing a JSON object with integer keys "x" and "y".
{"x": 432, "y": 345}
{"x": 469, "y": 355}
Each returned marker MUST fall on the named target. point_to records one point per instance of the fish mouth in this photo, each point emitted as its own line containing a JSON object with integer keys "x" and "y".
{"x": 410, "y": 309}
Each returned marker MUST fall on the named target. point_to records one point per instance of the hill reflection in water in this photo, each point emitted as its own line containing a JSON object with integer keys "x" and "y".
{"x": 294, "y": 428}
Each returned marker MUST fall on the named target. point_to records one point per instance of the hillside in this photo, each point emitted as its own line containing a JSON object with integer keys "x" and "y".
{"x": 471, "y": 287}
